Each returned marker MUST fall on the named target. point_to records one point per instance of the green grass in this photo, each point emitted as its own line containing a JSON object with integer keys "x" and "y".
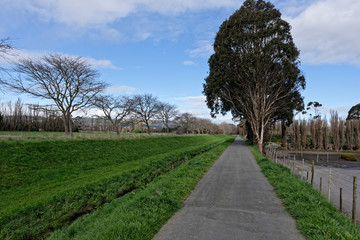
{"x": 46, "y": 184}
{"x": 316, "y": 218}
{"x": 141, "y": 213}
{"x": 20, "y": 135}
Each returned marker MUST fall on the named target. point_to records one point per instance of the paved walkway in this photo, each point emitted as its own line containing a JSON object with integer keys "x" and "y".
{"x": 233, "y": 201}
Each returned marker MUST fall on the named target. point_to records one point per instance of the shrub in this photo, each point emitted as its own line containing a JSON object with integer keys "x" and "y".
{"x": 348, "y": 157}
{"x": 137, "y": 130}
{"x": 276, "y": 138}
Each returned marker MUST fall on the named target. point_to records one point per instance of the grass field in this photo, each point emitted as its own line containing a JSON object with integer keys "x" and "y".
{"x": 316, "y": 218}
{"x": 47, "y": 184}
{"x": 18, "y": 135}
{"x": 139, "y": 215}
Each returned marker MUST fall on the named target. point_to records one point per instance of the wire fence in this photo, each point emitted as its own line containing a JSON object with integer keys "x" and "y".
{"x": 338, "y": 183}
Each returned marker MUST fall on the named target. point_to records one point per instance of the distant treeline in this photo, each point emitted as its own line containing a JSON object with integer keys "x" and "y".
{"x": 23, "y": 117}
{"x": 336, "y": 134}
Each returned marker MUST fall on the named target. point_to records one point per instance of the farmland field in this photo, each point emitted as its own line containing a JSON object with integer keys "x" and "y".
{"x": 47, "y": 184}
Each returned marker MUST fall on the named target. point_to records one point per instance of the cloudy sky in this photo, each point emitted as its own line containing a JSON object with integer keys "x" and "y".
{"x": 162, "y": 46}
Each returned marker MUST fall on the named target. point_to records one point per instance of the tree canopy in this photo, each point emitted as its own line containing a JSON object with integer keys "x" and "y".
{"x": 254, "y": 72}
{"x": 354, "y": 112}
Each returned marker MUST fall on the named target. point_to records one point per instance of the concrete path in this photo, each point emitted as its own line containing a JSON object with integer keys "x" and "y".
{"x": 233, "y": 201}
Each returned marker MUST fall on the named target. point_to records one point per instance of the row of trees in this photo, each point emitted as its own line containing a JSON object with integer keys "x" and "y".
{"x": 337, "y": 134}
{"x": 73, "y": 85}
{"x": 21, "y": 117}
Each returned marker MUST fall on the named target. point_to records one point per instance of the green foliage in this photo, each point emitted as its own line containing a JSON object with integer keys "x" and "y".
{"x": 47, "y": 184}
{"x": 348, "y": 157}
{"x": 254, "y": 71}
{"x": 137, "y": 130}
{"x": 354, "y": 112}
{"x": 140, "y": 214}
{"x": 316, "y": 218}
{"x": 276, "y": 138}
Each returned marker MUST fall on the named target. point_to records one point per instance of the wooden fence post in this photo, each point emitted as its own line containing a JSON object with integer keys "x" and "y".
{"x": 302, "y": 170}
{"x": 312, "y": 173}
{"x": 354, "y": 200}
{"x": 329, "y": 186}
{"x": 340, "y": 199}
{"x": 317, "y": 156}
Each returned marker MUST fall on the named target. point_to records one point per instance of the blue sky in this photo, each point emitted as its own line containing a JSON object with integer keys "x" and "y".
{"x": 162, "y": 46}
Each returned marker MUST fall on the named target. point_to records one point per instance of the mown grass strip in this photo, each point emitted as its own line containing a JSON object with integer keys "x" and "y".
{"x": 106, "y": 176}
{"x": 140, "y": 214}
{"x": 316, "y": 218}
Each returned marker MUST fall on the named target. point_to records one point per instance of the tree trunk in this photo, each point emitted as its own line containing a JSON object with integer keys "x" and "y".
{"x": 66, "y": 126}
{"x": 261, "y": 141}
{"x": 260, "y": 145}
{"x": 70, "y": 126}
{"x": 148, "y": 128}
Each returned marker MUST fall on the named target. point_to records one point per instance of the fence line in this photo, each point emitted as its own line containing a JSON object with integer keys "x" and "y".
{"x": 337, "y": 184}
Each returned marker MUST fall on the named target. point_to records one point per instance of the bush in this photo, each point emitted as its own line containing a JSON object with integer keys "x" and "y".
{"x": 348, "y": 157}
{"x": 276, "y": 138}
{"x": 137, "y": 130}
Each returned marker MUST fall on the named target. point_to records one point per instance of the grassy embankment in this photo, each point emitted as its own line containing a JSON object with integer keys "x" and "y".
{"x": 316, "y": 218}
{"x": 140, "y": 214}
{"x": 46, "y": 185}
{"x": 19, "y": 135}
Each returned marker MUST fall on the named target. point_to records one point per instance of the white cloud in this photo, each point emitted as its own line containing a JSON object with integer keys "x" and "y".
{"x": 101, "y": 63}
{"x": 189, "y": 63}
{"x": 193, "y": 102}
{"x": 204, "y": 49}
{"x": 87, "y": 13}
{"x": 120, "y": 89}
{"x": 196, "y": 105}
{"x": 328, "y": 32}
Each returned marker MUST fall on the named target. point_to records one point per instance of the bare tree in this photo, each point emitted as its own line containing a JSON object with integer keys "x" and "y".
{"x": 146, "y": 107}
{"x": 5, "y": 49}
{"x": 319, "y": 133}
{"x": 341, "y": 134}
{"x": 356, "y": 126}
{"x": 303, "y": 131}
{"x": 297, "y": 138}
{"x": 313, "y": 131}
{"x": 185, "y": 122}
{"x": 228, "y": 128}
{"x": 335, "y": 129}
{"x": 68, "y": 81}
{"x": 349, "y": 134}
{"x": 115, "y": 109}
{"x": 325, "y": 134}
{"x": 167, "y": 112}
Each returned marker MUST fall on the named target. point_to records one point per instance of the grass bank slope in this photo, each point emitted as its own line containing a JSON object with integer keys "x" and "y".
{"x": 140, "y": 214}
{"x": 45, "y": 185}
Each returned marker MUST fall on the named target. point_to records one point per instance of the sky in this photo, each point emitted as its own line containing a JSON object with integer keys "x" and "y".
{"x": 162, "y": 47}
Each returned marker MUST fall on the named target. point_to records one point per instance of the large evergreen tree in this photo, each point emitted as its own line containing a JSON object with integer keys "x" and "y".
{"x": 254, "y": 71}
{"x": 354, "y": 112}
